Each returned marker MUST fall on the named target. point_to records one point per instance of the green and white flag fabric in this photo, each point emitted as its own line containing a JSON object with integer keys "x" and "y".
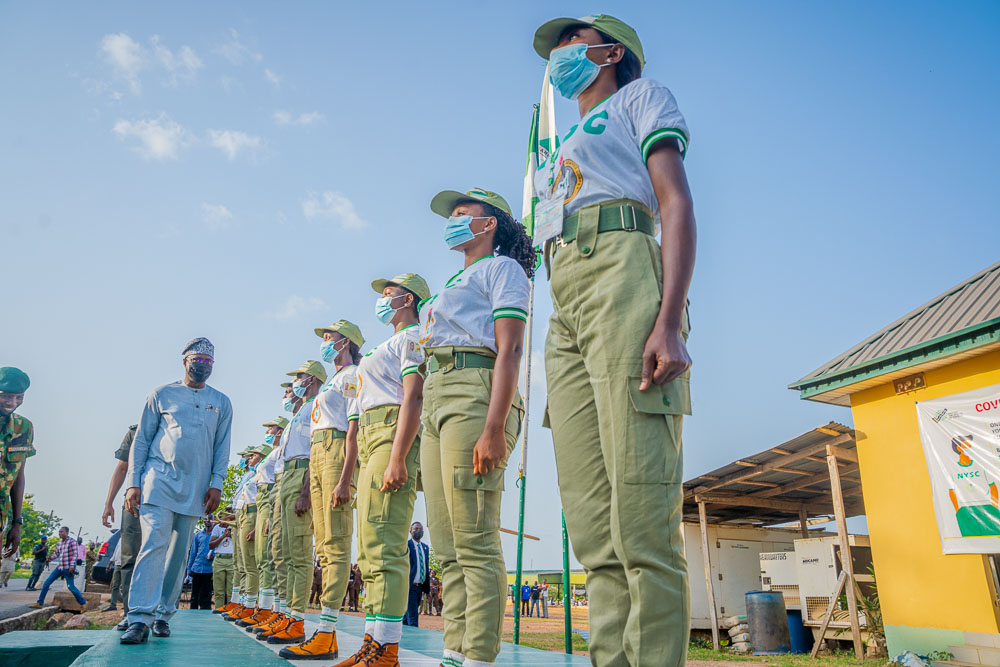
{"x": 541, "y": 141}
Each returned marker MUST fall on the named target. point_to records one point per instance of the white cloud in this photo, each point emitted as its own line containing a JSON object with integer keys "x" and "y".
{"x": 235, "y": 51}
{"x": 296, "y": 305}
{"x": 332, "y": 206}
{"x": 216, "y": 216}
{"x": 127, "y": 58}
{"x": 182, "y": 65}
{"x": 159, "y": 138}
{"x": 233, "y": 142}
{"x": 272, "y": 78}
{"x": 282, "y": 117}
{"x": 282, "y": 218}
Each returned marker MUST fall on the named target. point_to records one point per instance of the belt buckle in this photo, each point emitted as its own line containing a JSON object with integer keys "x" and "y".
{"x": 634, "y": 225}
{"x": 459, "y": 361}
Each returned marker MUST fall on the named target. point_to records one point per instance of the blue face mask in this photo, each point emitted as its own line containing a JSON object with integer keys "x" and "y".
{"x": 243, "y": 463}
{"x": 299, "y": 388}
{"x": 329, "y": 350}
{"x": 288, "y": 404}
{"x": 269, "y": 439}
{"x": 571, "y": 71}
{"x": 384, "y": 310}
{"x": 459, "y": 231}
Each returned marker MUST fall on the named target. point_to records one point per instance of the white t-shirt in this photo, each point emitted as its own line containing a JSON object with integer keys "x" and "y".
{"x": 464, "y": 311}
{"x": 603, "y": 157}
{"x": 381, "y": 371}
{"x": 246, "y": 493}
{"x": 333, "y": 404}
{"x": 299, "y": 432}
{"x": 239, "y": 499}
{"x": 265, "y": 469}
{"x": 279, "y": 457}
{"x": 226, "y": 545}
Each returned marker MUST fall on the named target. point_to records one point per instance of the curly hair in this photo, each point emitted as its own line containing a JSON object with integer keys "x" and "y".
{"x": 511, "y": 240}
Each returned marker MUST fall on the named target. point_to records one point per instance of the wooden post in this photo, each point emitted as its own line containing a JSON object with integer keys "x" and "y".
{"x": 845, "y": 550}
{"x": 804, "y": 522}
{"x": 829, "y": 612}
{"x": 709, "y": 584}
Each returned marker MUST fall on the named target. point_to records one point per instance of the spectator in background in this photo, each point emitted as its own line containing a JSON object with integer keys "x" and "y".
{"x": 90, "y": 558}
{"x": 199, "y": 567}
{"x": 7, "y": 567}
{"x": 223, "y": 570}
{"x": 116, "y": 578}
{"x": 65, "y": 558}
{"x": 317, "y": 585}
{"x": 434, "y": 597}
{"x": 525, "y": 598}
{"x": 38, "y": 563}
{"x": 420, "y": 565}
{"x": 536, "y": 600}
{"x": 545, "y": 599}
{"x": 354, "y": 588}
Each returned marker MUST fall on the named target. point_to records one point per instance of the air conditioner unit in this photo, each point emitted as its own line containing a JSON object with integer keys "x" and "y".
{"x": 778, "y": 573}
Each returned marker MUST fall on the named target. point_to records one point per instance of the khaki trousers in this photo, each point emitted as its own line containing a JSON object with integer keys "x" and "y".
{"x": 296, "y": 538}
{"x": 222, "y": 579}
{"x": 332, "y": 527}
{"x": 618, "y": 450}
{"x": 277, "y": 545}
{"x": 384, "y": 518}
{"x": 463, "y": 509}
{"x": 247, "y": 518}
{"x": 240, "y": 575}
{"x": 262, "y": 543}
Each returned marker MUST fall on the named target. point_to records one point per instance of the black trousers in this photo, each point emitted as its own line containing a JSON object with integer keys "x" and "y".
{"x": 201, "y": 590}
{"x": 412, "y": 617}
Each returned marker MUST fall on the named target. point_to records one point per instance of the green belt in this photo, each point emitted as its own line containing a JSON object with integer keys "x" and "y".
{"x": 317, "y": 436}
{"x": 223, "y": 556}
{"x": 293, "y": 464}
{"x": 380, "y": 415}
{"x": 264, "y": 488}
{"x": 250, "y": 509}
{"x": 446, "y": 359}
{"x": 613, "y": 218}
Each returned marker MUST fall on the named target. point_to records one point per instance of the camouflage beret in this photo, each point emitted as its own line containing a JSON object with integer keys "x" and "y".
{"x": 13, "y": 380}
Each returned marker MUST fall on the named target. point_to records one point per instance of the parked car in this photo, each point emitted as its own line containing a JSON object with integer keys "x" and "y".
{"x": 104, "y": 568}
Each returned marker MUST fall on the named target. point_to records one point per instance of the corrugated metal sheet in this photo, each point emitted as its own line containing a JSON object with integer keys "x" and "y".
{"x": 972, "y": 302}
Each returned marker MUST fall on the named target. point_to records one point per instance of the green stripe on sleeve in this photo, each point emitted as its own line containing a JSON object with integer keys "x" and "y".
{"x": 510, "y": 312}
{"x": 408, "y": 370}
{"x": 671, "y": 133}
{"x": 353, "y": 418}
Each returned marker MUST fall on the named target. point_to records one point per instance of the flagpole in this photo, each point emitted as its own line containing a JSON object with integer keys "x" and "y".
{"x": 523, "y": 471}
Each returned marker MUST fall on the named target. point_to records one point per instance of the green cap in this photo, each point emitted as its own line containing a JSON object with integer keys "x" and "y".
{"x": 245, "y": 453}
{"x": 280, "y": 422}
{"x": 286, "y": 385}
{"x": 547, "y": 36}
{"x": 410, "y": 281}
{"x": 313, "y": 368}
{"x": 13, "y": 380}
{"x": 344, "y": 328}
{"x": 263, "y": 450}
{"x": 445, "y": 202}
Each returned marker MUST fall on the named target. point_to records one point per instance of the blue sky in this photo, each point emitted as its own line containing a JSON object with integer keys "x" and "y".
{"x": 244, "y": 171}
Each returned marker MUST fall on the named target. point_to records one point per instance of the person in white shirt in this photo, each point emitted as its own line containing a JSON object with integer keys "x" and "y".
{"x": 246, "y": 545}
{"x": 473, "y": 336}
{"x": 388, "y": 409}
{"x": 333, "y": 474}
{"x": 616, "y": 361}
{"x": 223, "y": 573}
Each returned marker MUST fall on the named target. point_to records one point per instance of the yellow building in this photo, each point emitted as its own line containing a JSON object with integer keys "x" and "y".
{"x": 930, "y": 601}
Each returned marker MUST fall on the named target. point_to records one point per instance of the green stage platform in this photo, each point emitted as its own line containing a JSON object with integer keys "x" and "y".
{"x": 202, "y": 638}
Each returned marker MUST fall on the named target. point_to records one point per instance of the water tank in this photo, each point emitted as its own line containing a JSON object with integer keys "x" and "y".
{"x": 768, "y": 623}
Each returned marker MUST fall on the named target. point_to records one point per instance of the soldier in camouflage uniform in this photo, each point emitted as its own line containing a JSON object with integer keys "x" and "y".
{"x": 16, "y": 435}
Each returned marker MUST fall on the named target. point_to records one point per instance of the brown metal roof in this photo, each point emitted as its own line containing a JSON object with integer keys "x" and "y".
{"x": 769, "y": 487}
{"x": 974, "y": 301}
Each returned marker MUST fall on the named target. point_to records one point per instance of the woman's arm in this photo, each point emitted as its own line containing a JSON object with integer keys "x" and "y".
{"x": 491, "y": 448}
{"x": 665, "y": 355}
{"x": 342, "y": 492}
{"x": 406, "y": 430}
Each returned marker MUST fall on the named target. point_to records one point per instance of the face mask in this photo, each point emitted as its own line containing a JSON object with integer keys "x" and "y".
{"x": 384, "y": 310}
{"x": 199, "y": 372}
{"x": 269, "y": 439}
{"x": 417, "y": 534}
{"x": 329, "y": 350}
{"x": 288, "y": 404}
{"x": 458, "y": 231}
{"x": 243, "y": 463}
{"x": 299, "y": 388}
{"x": 571, "y": 71}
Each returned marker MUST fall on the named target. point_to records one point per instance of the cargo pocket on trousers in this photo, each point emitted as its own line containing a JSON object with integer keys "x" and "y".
{"x": 475, "y": 499}
{"x": 341, "y": 522}
{"x": 389, "y": 507}
{"x": 651, "y": 443}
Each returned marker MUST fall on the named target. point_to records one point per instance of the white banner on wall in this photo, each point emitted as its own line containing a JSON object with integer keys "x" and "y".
{"x": 961, "y": 438}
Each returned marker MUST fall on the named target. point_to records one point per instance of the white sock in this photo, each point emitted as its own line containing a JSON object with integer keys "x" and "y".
{"x": 387, "y": 629}
{"x": 251, "y": 601}
{"x": 328, "y": 620}
{"x": 370, "y": 625}
{"x": 266, "y": 598}
{"x": 276, "y": 605}
{"x": 285, "y": 610}
{"x": 469, "y": 662}
{"x": 452, "y": 659}
{"x": 235, "y": 597}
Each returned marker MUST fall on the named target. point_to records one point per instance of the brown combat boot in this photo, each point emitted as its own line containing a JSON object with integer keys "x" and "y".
{"x": 292, "y": 633}
{"x": 366, "y": 649}
{"x": 321, "y": 646}
{"x": 383, "y": 655}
